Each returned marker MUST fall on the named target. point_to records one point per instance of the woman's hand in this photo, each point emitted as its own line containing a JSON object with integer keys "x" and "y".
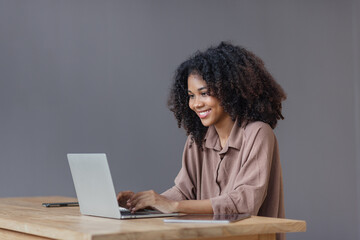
{"x": 123, "y": 198}
{"x": 152, "y": 199}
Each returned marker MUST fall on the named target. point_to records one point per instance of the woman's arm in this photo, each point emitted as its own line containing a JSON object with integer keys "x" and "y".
{"x": 152, "y": 199}
{"x": 195, "y": 206}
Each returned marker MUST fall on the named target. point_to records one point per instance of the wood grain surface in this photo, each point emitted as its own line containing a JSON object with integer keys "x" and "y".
{"x": 26, "y": 218}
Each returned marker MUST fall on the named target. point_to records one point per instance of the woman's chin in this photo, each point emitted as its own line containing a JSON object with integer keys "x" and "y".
{"x": 205, "y": 122}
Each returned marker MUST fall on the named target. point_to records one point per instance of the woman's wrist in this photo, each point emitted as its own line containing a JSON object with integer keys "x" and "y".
{"x": 176, "y": 207}
{"x": 193, "y": 206}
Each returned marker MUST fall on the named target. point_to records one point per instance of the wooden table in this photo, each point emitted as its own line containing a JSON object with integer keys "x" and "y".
{"x": 25, "y": 218}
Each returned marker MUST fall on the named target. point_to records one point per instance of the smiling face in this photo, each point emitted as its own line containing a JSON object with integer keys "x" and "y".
{"x": 207, "y": 107}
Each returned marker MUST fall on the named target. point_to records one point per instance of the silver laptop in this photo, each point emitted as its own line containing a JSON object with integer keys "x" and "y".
{"x": 95, "y": 189}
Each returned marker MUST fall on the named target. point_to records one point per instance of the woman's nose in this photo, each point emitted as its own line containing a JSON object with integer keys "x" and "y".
{"x": 198, "y": 103}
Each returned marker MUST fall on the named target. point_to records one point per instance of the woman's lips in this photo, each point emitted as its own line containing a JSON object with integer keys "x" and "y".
{"x": 204, "y": 114}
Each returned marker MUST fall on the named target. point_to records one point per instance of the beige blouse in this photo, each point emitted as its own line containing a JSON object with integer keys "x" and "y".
{"x": 243, "y": 177}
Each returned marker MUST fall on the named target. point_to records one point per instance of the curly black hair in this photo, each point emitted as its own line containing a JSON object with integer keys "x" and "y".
{"x": 234, "y": 75}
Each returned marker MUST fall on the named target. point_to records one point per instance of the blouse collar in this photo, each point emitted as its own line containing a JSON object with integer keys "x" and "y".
{"x": 212, "y": 139}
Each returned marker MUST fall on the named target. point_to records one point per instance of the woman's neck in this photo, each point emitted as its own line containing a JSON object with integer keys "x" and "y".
{"x": 223, "y": 129}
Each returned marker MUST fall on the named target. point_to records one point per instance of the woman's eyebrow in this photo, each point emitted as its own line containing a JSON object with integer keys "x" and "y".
{"x": 199, "y": 89}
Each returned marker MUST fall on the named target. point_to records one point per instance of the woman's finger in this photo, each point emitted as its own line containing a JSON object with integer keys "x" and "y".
{"x": 139, "y": 197}
{"x": 139, "y": 205}
{"x": 142, "y": 200}
{"x": 123, "y": 197}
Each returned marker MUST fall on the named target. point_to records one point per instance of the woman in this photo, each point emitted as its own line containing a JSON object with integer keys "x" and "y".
{"x": 228, "y": 103}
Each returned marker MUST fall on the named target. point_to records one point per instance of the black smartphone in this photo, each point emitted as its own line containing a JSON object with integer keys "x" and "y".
{"x": 61, "y": 204}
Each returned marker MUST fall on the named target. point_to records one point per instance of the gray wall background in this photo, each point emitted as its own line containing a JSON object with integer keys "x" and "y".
{"x": 93, "y": 76}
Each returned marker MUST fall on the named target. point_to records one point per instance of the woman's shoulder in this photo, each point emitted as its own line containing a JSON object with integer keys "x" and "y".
{"x": 256, "y": 128}
{"x": 257, "y": 125}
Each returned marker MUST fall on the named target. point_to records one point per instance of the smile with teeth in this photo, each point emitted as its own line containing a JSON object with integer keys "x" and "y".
{"x": 204, "y": 114}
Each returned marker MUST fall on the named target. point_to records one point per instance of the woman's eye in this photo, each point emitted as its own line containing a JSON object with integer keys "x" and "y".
{"x": 191, "y": 96}
{"x": 204, "y": 94}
